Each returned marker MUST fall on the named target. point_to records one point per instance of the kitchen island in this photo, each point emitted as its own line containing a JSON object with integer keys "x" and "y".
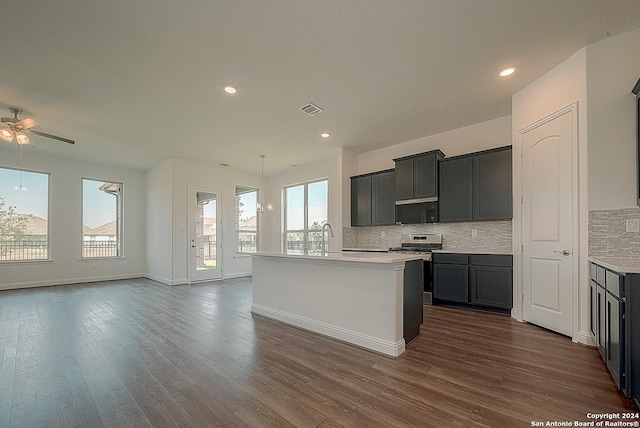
{"x": 371, "y": 300}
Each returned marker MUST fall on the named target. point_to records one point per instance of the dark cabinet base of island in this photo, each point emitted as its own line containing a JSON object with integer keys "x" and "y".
{"x": 615, "y": 325}
{"x": 475, "y": 281}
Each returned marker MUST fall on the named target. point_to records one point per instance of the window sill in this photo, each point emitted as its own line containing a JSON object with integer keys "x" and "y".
{"x": 22, "y": 262}
{"x": 242, "y": 255}
{"x": 99, "y": 259}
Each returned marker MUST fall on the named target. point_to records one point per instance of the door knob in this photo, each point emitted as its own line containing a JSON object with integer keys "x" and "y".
{"x": 563, "y": 252}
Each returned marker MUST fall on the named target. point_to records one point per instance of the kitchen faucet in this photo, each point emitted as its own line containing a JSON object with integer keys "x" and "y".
{"x": 325, "y": 225}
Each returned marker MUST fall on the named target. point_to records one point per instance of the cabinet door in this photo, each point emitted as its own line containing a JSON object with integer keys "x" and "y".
{"x": 601, "y": 338}
{"x": 425, "y": 176}
{"x": 383, "y": 203}
{"x": 492, "y": 186}
{"x": 404, "y": 179}
{"x": 455, "y": 199}
{"x": 361, "y": 201}
{"x": 615, "y": 329}
{"x": 491, "y": 286}
{"x": 451, "y": 282}
{"x": 593, "y": 300}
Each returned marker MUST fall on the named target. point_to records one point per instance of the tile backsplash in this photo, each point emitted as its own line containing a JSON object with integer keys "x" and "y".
{"x": 608, "y": 236}
{"x": 493, "y": 236}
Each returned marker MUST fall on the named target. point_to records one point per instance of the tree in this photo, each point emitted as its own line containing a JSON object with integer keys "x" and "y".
{"x": 12, "y": 225}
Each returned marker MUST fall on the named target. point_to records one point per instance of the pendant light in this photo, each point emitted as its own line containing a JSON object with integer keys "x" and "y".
{"x": 259, "y": 205}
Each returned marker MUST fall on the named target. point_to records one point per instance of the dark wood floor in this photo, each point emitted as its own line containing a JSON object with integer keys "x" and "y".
{"x": 138, "y": 353}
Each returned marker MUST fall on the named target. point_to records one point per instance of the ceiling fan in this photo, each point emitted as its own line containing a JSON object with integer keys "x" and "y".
{"x": 17, "y": 129}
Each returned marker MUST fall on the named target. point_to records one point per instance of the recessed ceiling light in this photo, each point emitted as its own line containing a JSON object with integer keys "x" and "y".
{"x": 507, "y": 72}
{"x": 230, "y": 90}
{"x": 325, "y": 135}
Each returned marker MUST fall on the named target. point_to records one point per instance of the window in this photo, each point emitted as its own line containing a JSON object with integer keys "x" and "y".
{"x": 304, "y": 214}
{"x": 246, "y": 220}
{"x": 24, "y": 215}
{"x": 101, "y": 219}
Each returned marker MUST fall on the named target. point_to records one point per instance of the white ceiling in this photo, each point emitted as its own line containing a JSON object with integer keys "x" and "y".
{"x": 136, "y": 82}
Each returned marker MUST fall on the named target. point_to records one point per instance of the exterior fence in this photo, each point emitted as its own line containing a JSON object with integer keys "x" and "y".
{"x": 98, "y": 249}
{"x": 24, "y": 250}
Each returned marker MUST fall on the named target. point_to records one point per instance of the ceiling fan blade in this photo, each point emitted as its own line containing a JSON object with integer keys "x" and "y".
{"x": 55, "y": 137}
{"x": 26, "y": 123}
{"x": 8, "y": 120}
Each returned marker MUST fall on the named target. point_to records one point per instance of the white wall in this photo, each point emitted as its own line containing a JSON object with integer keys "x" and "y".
{"x": 613, "y": 68}
{"x": 563, "y": 85}
{"x": 330, "y": 169}
{"x": 185, "y": 173}
{"x": 479, "y": 136}
{"x": 159, "y": 194}
{"x": 65, "y": 221}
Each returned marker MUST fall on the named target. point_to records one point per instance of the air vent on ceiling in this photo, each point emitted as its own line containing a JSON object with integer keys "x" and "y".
{"x": 311, "y": 109}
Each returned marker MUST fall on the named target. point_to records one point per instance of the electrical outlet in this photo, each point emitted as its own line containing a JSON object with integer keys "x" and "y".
{"x": 474, "y": 232}
{"x": 633, "y": 225}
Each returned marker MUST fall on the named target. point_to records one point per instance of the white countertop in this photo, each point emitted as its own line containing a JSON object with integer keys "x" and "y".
{"x": 617, "y": 265}
{"x": 347, "y": 256}
{"x": 367, "y": 250}
{"x": 489, "y": 252}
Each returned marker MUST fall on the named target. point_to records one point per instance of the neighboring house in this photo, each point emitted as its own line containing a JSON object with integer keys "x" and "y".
{"x": 36, "y": 227}
{"x": 105, "y": 232}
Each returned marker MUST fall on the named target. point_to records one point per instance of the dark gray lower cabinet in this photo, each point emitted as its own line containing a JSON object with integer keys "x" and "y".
{"x": 412, "y": 299}
{"x": 601, "y": 339}
{"x": 614, "y": 334}
{"x": 615, "y": 322}
{"x": 477, "y": 280}
{"x": 491, "y": 286}
{"x": 451, "y": 282}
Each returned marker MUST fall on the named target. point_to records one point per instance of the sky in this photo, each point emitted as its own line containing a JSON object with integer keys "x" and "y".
{"x": 317, "y": 200}
{"x": 98, "y": 207}
{"x": 32, "y": 200}
{"x": 248, "y": 208}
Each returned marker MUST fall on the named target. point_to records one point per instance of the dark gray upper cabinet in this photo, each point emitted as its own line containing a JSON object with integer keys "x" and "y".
{"x": 417, "y": 175}
{"x": 404, "y": 179}
{"x": 455, "y": 202}
{"x": 492, "y": 186}
{"x": 383, "y": 201}
{"x": 361, "y": 201}
{"x": 373, "y": 199}
{"x": 476, "y": 186}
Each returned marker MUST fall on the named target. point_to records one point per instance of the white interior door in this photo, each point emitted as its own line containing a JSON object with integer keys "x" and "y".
{"x": 547, "y": 222}
{"x": 204, "y": 234}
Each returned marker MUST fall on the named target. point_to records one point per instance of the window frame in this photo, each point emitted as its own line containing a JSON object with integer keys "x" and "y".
{"x": 305, "y": 231}
{"x": 49, "y": 256}
{"x": 119, "y": 227}
{"x": 237, "y": 223}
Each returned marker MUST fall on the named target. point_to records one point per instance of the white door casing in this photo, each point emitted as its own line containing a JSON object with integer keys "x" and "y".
{"x": 212, "y": 268}
{"x": 549, "y": 204}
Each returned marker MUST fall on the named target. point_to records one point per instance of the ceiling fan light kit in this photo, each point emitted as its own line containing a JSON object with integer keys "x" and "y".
{"x": 17, "y": 129}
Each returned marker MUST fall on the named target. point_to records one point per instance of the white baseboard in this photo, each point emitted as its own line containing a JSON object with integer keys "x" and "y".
{"x": 158, "y": 278}
{"x": 363, "y": 340}
{"x": 65, "y": 281}
{"x": 181, "y": 281}
{"x": 586, "y": 338}
{"x": 237, "y": 275}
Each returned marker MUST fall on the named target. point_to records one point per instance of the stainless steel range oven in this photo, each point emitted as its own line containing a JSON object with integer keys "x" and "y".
{"x": 422, "y": 244}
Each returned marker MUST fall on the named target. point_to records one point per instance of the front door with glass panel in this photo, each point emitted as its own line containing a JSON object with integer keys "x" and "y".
{"x": 204, "y": 234}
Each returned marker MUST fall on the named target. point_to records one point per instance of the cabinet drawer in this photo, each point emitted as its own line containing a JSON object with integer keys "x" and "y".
{"x": 592, "y": 270}
{"x": 615, "y": 284}
{"x": 491, "y": 260}
{"x": 600, "y": 275}
{"x": 460, "y": 259}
